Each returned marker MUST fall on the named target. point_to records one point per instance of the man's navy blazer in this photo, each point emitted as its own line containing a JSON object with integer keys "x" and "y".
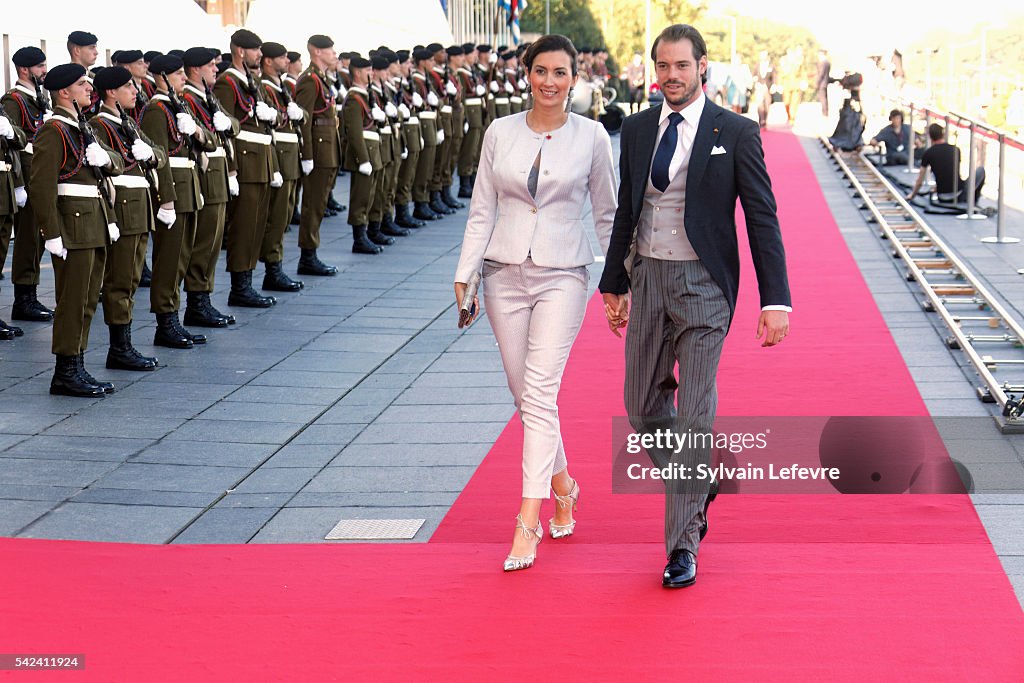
{"x": 713, "y": 183}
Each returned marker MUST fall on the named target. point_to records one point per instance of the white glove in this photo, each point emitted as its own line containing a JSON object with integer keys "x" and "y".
{"x": 480, "y": 90}
{"x": 404, "y": 111}
{"x": 47, "y": 115}
{"x": 113, "y": 231}
{"x": 509, "y": 88}
{"x": 432, "y": 99}
{"x": 186, "y": 124}
{"x": 264, "y": 112}
{"x": 522, "y": 84}
{"x": 417, "y": 100}
{"x": 493, "y": 58}
{"x": 366, "y": 168}
{"x": 56, "y": 247}
{"x": 96, "y": 155}
{"x": 221, "y": 122}
{"x": 339, "y": 107}
{"x": 440, "y": 136}
{"x": 494, "y": 86}
{"x": 405, "y": 154}
{"x": 421, "y": 142}
{"x": 21, "y": 196}
{"x": 141, "y": 151}
{"x": 450, "y": 89}
{"x": 165, "y": 214}
{"x": 233, "y": 185}
{"x": 6, "y": 129}
{"x": 378, "y": 115}
{"x": 307, "y": 166}
{"x": 465, "y": 127}
{"x": 295, "y": 112}
{"x": 277, "y": 180}
{"x": 390, "y": 110}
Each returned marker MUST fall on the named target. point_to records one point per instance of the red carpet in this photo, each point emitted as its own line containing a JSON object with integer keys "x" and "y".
{"x": 790, "y": 587}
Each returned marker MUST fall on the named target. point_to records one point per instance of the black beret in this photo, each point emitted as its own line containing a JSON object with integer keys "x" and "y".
{"x": 63, "y": 76}
{"x": 483, "y": 47}
{"x": 28, "y": 56}
{"x": 293, "y": 56}
{"x": 468, "y": 47}
{"x": 403, "y": 55}
{"x": 243, "y": 37}
{"x": 373, "y": 53}
{"x": 434, "y": 48}
{"x": 225, "y": 57}
{"x": 320, "y": 41}
{"x": 392, "y": 57}
{"x": 380, "y": 63}
{"x": 95, "y": 70}
{"x": 417, "y": 47}
{"x": 180, "y": 54}
{"x": 166, "y": 64}
{"x": 150, "y": 55}
{"x": 222, "y": 67}
{"x": 126, "y": 56}
{"x": 112, "y": 77}
{"x": 503, "y": 48}
{"x": 274, "y": 50}
{"x": 199, "y": 56}
{"x": 422, "y": 54}
{"x": 384, "y": 48}
{"x": 352, "y": 55}
{"x": 82, "y": 38}
{"x": 360, "y": 63}
{"x": 454, "y": 51}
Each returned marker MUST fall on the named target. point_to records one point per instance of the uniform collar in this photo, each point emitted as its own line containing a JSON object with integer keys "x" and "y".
{"x": 59, "y": 113}
{"x": 270, "y": 84}
{"x": 25, "y": 89}
{"x": 109, "y": 114}
{"x": 358, "y": 89}
{"x": 195, "y": 89}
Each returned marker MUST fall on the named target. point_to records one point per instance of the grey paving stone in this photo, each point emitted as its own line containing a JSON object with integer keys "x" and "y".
{"x": 421, "y": 454}
{"x": 371, "y": 396}
{"x": 329, "y": 434}
{"x": 408, "y": 363}
{"x": 470, "y": 396}
{"x": 494, "y": 378}
{"x": 348, "y": 341}
{"x": 120, "y": 523}
{"x": 132, "y": 496}
{"x": 310, "y": 525}
{"x": 107, "y": 449}
{"x": 164, "y": 385}
{"x": 232, "y": 499}
{"x": 448, "y": 432}
{"x": 226, "y": 525}
{"x": 1005, "y": 527}
{"x": 312, "y": 396}
{"x": 185, "y": 478}
{"x": 332, "y": 361}
{"x": 982, "y": 450}
{"x": 392, "y": 380}
{"x": 455, "y": 412}
{"x": 952, "y": 407}
{"x": 25, "y": 423}
{"x": 237, "y": 431}
{"x": 15, "y": 514}
{"x": 276, "y": 480}
{"x": 301, "y": 378}
{"x": 1013, "y": 564}
{"x": 93, "y": 425}
{"x": 348, "y": 413}
{"x": 476, "y": 343}
{"x": 21, "y": 370}
{"x": 470, "y": 361}
{"x": 378, "y": 499}
{"x": 303, "y": 455}
{"x": 380, "y": 479}
{"x": 223, "y": 454}
{"x": 998, "y": 498}
{"x": 37, "y": 492}
{"x": 997, "y": 477}
{"x": 8, "y": 440}
{"x": 278, "y": 412}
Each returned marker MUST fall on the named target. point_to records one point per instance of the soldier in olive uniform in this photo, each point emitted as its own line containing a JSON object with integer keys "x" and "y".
{"x": 513, "y": 78}
{"x": 133, "y": 211}
{"x": 27, "y": 105}
{"x": 446, "y": 62}
{"x": 431, "y": 131}
{"x": 254, "y": 162}
{"x": 321, "y": 153}
{"x": 379, "y": 231}
{"x": 215, "y": 184}
{"x": 76, "y": 222}
{"x": 290, "y": 118}
{"x": 82, "y": 50}
{"x": 12, "y": 141}
{"x": 362, "y": 154}
{"x": 178, "y": 197}
{"x": 412, "y": 134}
{"x": 500, "y": 87}
{"x": 135, "y": 62}
{"x": 473, "y": 98}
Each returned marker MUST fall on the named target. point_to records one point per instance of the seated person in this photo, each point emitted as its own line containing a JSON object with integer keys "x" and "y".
{"x": 944, "y": 161}
{"x": 896, "y": 138}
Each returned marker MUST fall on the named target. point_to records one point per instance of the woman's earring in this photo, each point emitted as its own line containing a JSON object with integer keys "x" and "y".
{"x": 568, "y": 102}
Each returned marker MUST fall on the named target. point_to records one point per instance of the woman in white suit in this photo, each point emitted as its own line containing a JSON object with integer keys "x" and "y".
{"x": 526, "y": 232}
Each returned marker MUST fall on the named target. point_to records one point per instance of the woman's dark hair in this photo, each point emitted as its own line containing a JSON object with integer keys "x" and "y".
{"x": 550, "y": 43}
{"x": 678, "y": 32}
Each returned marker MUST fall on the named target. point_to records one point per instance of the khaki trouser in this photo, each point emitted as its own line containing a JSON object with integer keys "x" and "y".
{"x": 202, "y": 265}
{"x": 28, "y": 247}
{"x": 121, "y": 275}
{"x": 245, "y": 233}
{"x": 316, "y": 188}
{"x": 172, "y": 251}
{"x": 360, "y": 197}
{"x": 78, "y": 279}
{"x": 272, "y": 250}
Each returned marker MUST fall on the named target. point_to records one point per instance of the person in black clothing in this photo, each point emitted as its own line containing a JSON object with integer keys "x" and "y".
{"x": 896, "y": 138}
{"x": 944, "y": 161}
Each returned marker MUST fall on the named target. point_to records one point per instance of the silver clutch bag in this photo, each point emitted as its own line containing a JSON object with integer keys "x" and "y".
{"x": 467, "y": 311}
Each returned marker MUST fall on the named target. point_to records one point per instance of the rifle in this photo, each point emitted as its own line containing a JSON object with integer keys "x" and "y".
{"x": 12, "y": 157}
{"x": 287, "y": 98}
{"x": 42, "y": 99}
{"x": 195, "y": 151}
{"x": 257, "y": 95}
{"x": 213, "y": 104}
{"x": 131, "y": 130}
{"x": 90, "y": 137}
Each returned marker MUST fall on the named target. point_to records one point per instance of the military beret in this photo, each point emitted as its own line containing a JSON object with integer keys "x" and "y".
{"x": 293, "y": 56}
{"x": 384, "y": 48}
{"x": 28, "y": 56}
{"x": 150, "y": 55}
{"x": 225, "y": 57}
{"x": 483, "y": 48}
{"x": 199, "y": 56}
{"x": 422, "y": 54}
{"x": 417, "y": 47}
{"x": 502, "y": 48}
{"x": 379, "y": 63}
{"x": 321, "y": 41}
{"x": 180, "y": 54}
{"x": 82, "y": 38}
{"x": 392, "y": 57}
{"x": 274, "y": 50}
{"x": 373, "y": 53}
{"x": 245, "y": 38}
{"x": 126, "y": 56}
{"x": 166, "y": 64}
{"x": 468, "y": 47}
{"x": 95, "y": 70}
{"x": 112, "y": 77}
{"x": 63, "y": 76}
{"x": 434, "y": 48}
{"x": 360, "y": 63}
{"x": 454, "y": 50}
{"x": 403, "y": 55}
{"x": 222, "y": 67}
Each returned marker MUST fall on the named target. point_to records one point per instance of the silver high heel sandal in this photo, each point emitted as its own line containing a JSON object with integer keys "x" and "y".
{"x": 514, "y": 563}
{"x": 570, "y": 500}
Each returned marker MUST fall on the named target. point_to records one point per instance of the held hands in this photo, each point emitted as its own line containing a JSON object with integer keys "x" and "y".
{"x": 366, "y": 168}
{"x": 96, "y": 155}
{"x": 233, "y": 185}
{"x": 264, "y": 112}
{"x": 480, "y": 90}
{"x": 295, "y": 112}
{"x": 431, "y": 100}
{"x": 6, "y": 129}
{"x": 404, "y": 111}
{"x": 141, "y": 151}
{"x": 378, "y": 115}
{"x": 21, "y": 196}
{"x": 460, "y": 294}
{"x": 113, "y": 231}
{"x": 508, "y": 88}
{"x": 307, "y": 166}
{"x": 440, "y": 136}
{"x": 166, "y": 215}
{"x": 221, "y": 122}
{"x": 417, "y": 100}
{"x": 450, "y": 89}
{"x": 186, "y": 124}
{"x": 494, "y": 86}
{"x": 56, "y": 247}
{"x": 390, "y": 110}
{"x": 277, "y": 180}
{"x": 616, "y": 309}
{"x": 774, "y": 326}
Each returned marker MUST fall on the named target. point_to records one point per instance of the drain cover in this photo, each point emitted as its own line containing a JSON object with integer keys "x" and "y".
{"x": 374, "y": 529}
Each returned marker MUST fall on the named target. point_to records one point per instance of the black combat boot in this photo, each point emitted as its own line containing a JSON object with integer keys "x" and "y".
{"x": 389, "y": 227}
{"x": 449, "y": 200}
{"x": 375, "y": 235}
{"x": 213, "y": 312}
{"x": 107, "y": 387}
{"x": 196, "y": 338}
{"x": 334, "y": 205}
{"x": 310, "y": 264}
{"x": 465, "y": 190}
{"x": 275, "y": 280}
{"x": 147, "y": 275}
{"x": 361, "y": 244}
{"x": 199, "y": 315}
{"x": 67, "y": 381}
{"x": 472, "y": 182}
{"x": 424, "y": 212}
{"x": 27, "y": 307}
{"x": 242, "y": 293}
{"x": 168, "y": 334}
{"x": 122, "y": 355}
{"x": 437, "y": 205}
{"x": 295, "y": 216}
{"x": 8, "y": 332}
{"x": 404, "y": 219}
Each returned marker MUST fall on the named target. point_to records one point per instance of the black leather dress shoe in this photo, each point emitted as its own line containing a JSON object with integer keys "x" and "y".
{"x": 681, "y": 570}
{"x": 712, "y": 494}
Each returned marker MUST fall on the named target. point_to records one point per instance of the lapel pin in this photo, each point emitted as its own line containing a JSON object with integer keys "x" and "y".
{"x": 716, "y": 130}
{"x": 549, "y": 136}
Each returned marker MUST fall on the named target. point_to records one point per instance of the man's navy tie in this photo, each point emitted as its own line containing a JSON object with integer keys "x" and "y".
{"x": 663, "y": 155}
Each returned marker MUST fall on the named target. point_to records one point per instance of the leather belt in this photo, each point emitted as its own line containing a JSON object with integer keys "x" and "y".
{"x": 428, "y": 114}
{"x": 473, "y": 102}
{"x": 371, "y": 135}
{"x": 219, "y": 152}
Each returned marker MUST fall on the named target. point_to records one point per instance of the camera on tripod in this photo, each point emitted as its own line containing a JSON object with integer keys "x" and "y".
{"x": 850, "y": 82}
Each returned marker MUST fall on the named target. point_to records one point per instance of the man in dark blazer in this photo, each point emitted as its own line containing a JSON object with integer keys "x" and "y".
{"x": 674, "y": 248}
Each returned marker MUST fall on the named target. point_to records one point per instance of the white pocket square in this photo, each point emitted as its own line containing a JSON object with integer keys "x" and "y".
{"x": 717, "y": 150}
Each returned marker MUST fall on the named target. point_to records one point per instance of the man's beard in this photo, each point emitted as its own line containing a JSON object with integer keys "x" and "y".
{"x": 688, "y": 93}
